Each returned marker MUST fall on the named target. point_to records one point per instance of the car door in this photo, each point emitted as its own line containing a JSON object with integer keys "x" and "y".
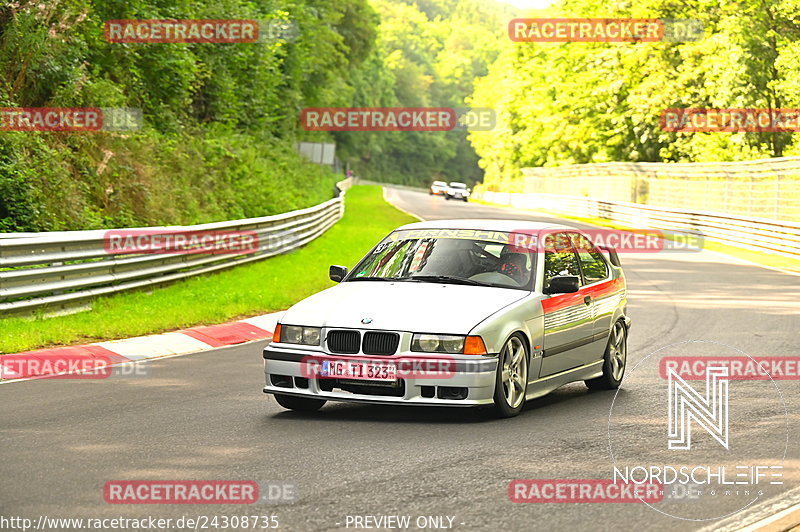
{"x": 599, "y": 286}
{"x": 568, "y": 318}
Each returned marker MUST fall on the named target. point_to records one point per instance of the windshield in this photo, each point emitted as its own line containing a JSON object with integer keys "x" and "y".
{"x": 482, "y": 258}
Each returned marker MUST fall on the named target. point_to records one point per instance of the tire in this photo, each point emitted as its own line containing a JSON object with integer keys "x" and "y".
{"x": 465, "y": 200}
{"x": 446, "y": 197}
{"x": 511, "y": 381}
{"x": 301, "y": 404}
{"x": 614, "y": 360}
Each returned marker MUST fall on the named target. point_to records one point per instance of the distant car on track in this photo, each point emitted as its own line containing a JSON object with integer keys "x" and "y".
{"x": 437, "y": 188}
{"x": 457, "y": 191}
{"x": 457, "y": 313}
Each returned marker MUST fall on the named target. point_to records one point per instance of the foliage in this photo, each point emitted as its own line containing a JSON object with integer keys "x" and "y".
{"x": 429, "y": 52}
{"x": 596, "y": 102}
{"x": 220, "y": 120}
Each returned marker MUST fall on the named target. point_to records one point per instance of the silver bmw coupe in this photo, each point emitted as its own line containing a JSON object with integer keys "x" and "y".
{"x": 457, "y": 313}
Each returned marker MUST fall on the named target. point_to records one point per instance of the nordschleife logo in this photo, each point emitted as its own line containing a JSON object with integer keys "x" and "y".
{"x": 709, "y": 411}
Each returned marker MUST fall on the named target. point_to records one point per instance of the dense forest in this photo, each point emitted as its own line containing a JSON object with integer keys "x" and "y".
{"x": 221, "y": 120}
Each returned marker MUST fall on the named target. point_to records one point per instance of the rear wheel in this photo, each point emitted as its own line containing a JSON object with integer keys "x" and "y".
{"x": 511, "y": 382}
{"x": 302, "y": 404}
{"x": 614, "y": 360}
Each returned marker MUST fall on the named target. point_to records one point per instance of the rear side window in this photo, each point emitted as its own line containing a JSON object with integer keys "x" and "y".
{"x": 593, "y": 264}
{"x": 559, "y": 258}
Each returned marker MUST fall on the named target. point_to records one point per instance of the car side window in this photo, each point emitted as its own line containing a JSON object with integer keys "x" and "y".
{"x": 559, "y": 258}
{"x": 592, "y": 263}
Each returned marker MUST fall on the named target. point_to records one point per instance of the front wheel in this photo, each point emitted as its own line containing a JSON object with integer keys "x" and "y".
{"x": 614, "y": 360}
{"x": 302, "y": 404}
{"x": 511, "y": 382}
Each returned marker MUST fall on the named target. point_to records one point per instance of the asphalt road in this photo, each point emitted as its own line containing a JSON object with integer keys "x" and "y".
{"x": 204, "y": 416}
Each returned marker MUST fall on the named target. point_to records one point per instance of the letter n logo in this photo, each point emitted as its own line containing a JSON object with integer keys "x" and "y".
{"x": 685, "y": 405}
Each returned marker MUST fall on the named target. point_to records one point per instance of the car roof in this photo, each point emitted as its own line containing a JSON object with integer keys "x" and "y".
{"x": 507, "y": 226}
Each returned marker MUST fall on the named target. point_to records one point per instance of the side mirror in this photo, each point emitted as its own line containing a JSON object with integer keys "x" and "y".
{"x": 563, "y": 284}
{"x": 337, "y": 273}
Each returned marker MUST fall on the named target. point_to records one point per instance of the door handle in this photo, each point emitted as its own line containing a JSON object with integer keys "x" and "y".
{"x": 587, "y": 300}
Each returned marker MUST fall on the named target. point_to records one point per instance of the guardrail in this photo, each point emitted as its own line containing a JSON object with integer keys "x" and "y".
{"x": 61, "y": 270}
{"x": 768, "y": 188}
{"x": 758, "y": 234}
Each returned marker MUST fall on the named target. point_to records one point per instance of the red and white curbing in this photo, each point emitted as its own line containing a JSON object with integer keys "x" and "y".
{"x": 103, "y": 354}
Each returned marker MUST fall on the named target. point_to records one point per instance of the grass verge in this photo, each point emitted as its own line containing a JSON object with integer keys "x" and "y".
{"x": 758, "y": 257}
{"x": 267, "y": 286}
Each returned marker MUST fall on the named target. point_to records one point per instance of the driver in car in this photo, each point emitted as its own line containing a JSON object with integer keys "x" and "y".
{"x": 514, "y": 265}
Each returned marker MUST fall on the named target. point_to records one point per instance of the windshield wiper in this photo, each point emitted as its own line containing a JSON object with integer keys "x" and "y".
{"x": 446, "y": 279}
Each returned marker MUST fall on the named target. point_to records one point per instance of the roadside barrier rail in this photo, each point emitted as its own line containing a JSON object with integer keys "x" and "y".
{"x": 61, "y": 270}
{"x": 759, "y": 234}
{"x": 766, "y": 188}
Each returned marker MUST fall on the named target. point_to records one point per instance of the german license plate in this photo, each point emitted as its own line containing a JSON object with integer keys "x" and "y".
{"x": 358, "y": 369}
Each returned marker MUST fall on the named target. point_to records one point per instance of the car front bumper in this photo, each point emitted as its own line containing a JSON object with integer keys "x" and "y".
{"x": 286, "y": 373}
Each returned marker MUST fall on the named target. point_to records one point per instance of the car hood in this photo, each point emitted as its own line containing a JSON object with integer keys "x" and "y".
{"x": 402, "y": 306}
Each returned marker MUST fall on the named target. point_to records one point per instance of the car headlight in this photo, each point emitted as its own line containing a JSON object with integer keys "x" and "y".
{"x": 294, "y": 334}
{"x": 437, "y": 343}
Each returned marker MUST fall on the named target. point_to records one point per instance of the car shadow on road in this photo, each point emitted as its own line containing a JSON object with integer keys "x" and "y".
{"x": 390, "y": 414}
{"x": 356, "y": 412}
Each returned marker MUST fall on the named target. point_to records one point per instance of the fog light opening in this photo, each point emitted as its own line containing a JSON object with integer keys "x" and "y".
{"x": 452, "y": 392}
{"x": 428, "y": 392}
{"x": 281, "y": 381}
